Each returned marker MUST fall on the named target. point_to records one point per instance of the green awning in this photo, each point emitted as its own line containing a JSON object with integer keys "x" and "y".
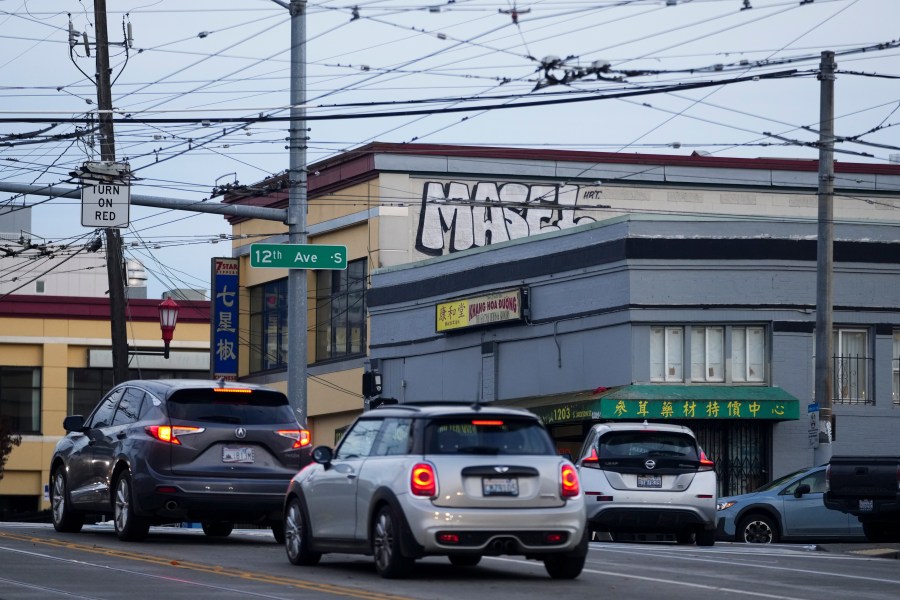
{"x": 665, "y": 402}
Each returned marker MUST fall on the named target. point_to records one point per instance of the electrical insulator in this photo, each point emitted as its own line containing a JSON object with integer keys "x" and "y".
{"x": 87, "y": 47}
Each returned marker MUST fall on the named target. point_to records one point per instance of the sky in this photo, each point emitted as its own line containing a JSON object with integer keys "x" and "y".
{"x": 372, "y": 63}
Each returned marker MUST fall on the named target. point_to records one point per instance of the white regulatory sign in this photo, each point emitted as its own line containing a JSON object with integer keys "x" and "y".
{"x": 105, "y": 204}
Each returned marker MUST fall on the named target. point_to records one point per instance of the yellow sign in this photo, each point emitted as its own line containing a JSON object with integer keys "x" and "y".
{"x": 479, "y": 310}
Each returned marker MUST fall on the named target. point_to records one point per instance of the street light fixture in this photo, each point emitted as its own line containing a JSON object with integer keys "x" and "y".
{"x": 168, "y": 315}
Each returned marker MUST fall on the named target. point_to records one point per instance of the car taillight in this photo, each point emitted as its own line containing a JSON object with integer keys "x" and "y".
{"x": 170, "y": 433}
{"x": 422, "y": 480}
{"x": 592, "y": 461}
{"x": 301, "y": 437}
{"x": 568, "y": 479}
{"x": 705, "y": 463}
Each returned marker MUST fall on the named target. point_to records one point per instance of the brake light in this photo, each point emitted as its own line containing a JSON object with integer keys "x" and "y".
{"x": 568, "y": 479}
{"x": 493, "y": 423}
{"x": 705, "y": 463}
{"x": 592, "y": 461}
{"x": 233, "y": 390}
{"x": 169, "y": 434}
{"x": 301, "y": 437}
{"x": 422, "y": 480}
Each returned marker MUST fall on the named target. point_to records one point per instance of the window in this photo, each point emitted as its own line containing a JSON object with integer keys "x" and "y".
{"x": 341, "y": 312}
{"x": 20, "y": 398}
{"x": 895, "y": 368}
{"x": 708, "y": 354}
{"x": 666, "y": 354}
{"x": 268, "y": 326}
{"x": 39, "y": 287}
{"x": 395, "y": 438}
{"x": 103, "y": 416}
{"x": 748, "y": 354}
{"x": 358, "y": 441}
{"x": 129, "y": 409}
{"x": 87, "y": 386}
{"x": 850, "y": 366}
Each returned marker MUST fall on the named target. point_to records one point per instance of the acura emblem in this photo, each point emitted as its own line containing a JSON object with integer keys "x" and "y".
{"x": 241, "y": 433}
{"x": 650, "y": 464}
{"x": 501, "y": 469}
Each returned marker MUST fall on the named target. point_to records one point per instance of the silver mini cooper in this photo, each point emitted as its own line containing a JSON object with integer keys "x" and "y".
{"x": 408, "y": 481}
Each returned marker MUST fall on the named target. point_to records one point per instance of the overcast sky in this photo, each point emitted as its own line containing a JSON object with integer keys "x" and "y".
{"x": 213, "y": 59}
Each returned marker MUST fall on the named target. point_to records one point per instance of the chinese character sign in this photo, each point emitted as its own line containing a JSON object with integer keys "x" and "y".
{"x": 698, "y": 409}
{"x": 224, "y": 321}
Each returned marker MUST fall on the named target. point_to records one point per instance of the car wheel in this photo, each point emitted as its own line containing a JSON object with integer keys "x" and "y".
{"x": 65, "y": 519}
{"x": 684, "y": 537}
{"x": 217, "y": 528}
{"x": 278, "y": 531}
{"x": 295, "y": 533}
{"x": 706, "y": 537}
{"x": 389, "y": 560}
{"x": 757, "y": 529}
{"x": 129, "y": 526}
{"x": 877, "y": 532}
{"x": 464, "y": 560}
{"x": 570, "y": 564}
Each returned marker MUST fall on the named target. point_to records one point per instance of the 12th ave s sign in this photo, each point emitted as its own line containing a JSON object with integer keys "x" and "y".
{"x": 298, "y": 256}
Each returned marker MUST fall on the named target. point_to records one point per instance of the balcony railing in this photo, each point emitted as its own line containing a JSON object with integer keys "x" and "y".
{"x": 852, "y": 374}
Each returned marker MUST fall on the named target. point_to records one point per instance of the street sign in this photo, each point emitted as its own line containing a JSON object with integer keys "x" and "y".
{"x": 298, "y": 256}
{"x": 105, "y": 204}
{"x": 812, "y": 410}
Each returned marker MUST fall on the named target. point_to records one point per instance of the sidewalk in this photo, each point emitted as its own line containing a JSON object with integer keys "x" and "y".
{"x": 886, "y": 550}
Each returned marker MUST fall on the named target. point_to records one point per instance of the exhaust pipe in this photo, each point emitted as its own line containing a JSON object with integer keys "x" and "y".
{"x": 171, "y": 505}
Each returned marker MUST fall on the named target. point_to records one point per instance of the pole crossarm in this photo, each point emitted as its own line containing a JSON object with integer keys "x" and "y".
{"x": 251, "y": 212}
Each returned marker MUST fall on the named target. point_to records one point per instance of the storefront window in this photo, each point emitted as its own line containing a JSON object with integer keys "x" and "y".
{"x": 20, "y": 398}
{"x": 341, "y": 312}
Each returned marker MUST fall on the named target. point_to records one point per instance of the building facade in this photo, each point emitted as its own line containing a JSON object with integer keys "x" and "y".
{"x": 405, "y": 204}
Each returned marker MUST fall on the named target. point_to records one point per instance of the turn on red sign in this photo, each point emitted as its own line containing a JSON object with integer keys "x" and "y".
{"x": 105, "y": 204}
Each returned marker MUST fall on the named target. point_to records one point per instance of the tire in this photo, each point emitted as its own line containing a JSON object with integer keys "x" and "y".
{"x": 464, "y": 560}
{"x": 65, "y": 519}
{"x": 684, "y": 537}
{"x": 389, "y": 560}
{"x": 129, "y": 526}
{"x": 217, "y": 528}
{"x": 278, "y": 531}
{"x": 706, "y": 537}
{"x": 878, "y": 532}
{"x": 569, "y": 565}
{"x": 295, "y": 535}
{"x": 757, "y": 529}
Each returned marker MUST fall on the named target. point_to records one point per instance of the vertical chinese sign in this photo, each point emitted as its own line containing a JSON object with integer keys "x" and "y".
{"x": 224, "y": 319}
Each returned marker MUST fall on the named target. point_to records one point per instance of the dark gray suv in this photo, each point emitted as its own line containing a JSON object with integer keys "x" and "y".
{"x": 164, "y": 451}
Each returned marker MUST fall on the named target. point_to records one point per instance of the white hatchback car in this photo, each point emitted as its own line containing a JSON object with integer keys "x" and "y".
{"x": 462, "y": 481}
{"x": 649, "y": 478}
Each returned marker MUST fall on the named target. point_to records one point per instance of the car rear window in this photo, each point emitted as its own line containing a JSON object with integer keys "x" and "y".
{"x": 487, "y": 435}
{"x": 251, "y": 407}
{"x": 648, "y": 444}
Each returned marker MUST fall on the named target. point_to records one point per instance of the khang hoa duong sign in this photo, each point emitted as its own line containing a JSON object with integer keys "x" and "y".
{"x": 476, "y": 311}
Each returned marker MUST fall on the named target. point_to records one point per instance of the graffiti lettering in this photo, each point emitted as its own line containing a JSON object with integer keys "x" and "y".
{"x": 455, "y": 217}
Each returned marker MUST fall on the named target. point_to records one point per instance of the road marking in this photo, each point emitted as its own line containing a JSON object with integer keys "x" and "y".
{"x": 191, "y": 566}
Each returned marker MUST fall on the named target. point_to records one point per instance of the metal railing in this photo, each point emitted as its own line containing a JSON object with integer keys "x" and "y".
{"x": 851, "y": 377}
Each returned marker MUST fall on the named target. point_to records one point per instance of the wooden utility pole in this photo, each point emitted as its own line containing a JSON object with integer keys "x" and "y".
{"x": 115, "y": 266}
{"x": 824, "y": 388}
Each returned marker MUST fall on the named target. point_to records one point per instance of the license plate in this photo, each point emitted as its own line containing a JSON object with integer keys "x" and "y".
{"x": 866, "y": 505}
{"x": 237, "y": 455}
{"x": 500, "y": 486}
{"x": 649, "y": 481}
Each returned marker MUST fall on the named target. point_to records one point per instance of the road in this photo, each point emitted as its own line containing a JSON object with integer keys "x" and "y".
{"x": 38, "y": 563}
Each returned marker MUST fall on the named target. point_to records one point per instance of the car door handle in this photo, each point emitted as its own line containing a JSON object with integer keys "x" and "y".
{"x": 351, "y": 475}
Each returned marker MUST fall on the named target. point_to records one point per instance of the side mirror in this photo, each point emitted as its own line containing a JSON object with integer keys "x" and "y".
{"x": 323, "y": 455}
{"x": 73, "y": 423}
{"x": 801, "y": 489}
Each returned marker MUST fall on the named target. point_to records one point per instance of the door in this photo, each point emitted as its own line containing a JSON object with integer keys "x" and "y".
{"x": 807, "y": 516}
{"x": 87, "y": 481}
{"x": 331, "y": 493}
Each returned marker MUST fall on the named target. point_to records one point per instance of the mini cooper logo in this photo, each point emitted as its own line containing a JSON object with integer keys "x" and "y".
{"x": 650, "y": 464}
{"x": 240, "y": 433}
{"x": 501, "y": 469}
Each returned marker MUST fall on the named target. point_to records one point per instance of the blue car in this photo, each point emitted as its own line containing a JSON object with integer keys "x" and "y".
{"x": 787, "y": 509}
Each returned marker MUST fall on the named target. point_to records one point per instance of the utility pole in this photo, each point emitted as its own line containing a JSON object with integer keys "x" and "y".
{"x": 296, "y": 221}
{"x": 825, "y": 259}
{"x": 114, "y": 261}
